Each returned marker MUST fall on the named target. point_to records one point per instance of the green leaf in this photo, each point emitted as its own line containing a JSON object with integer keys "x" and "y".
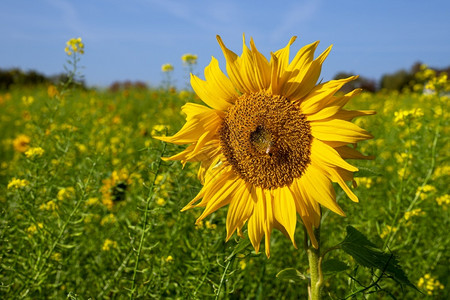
{"x": 291, "y": 274}
{"x": 333, "y": 266}
{"x": 368, "y": 255}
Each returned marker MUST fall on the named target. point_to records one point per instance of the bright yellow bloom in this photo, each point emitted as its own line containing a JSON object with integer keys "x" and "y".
{"x": 74, "y": 46}
{"x": 108, "y": 219}
{"x": 424, "y": 191}
{"x": 27, "y": 100}
{"x": 16, "y": 183}
{"x": 160, "y": 201}
{"x": 109, "y": 244}
{"x": 271, "y": 141}
{"x": 403, "y": 117}
{"x": 443, "y": 200}
{"x": 365, "y": 181}
{"x": 167, "y": 68}
{"x": 429, "y": 284}
{"x": 34, "y": 152}
{"x": 415, "y": 212}
{"x": 169, "y": 258}
{"x": 21, "y": 143}
{"x": 158, "y": 129}
{"x": 65, "y": 193}
{"x": 50, "y": 205}
{"x": 92, "y": 201}
{"x": 189, "y": 59}
{"x": 33, "y": 228}
{"x": 387, "y": 230}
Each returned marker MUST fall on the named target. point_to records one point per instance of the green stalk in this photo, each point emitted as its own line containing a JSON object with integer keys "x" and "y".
{"x": 315, "y": 270}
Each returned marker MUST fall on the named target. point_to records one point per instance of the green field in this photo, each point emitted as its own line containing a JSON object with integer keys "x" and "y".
{"x": 89, "y": 211}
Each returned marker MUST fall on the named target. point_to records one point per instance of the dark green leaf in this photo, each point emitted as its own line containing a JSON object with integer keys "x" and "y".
{"x": 332, "y": 266}
{"x": 367, "y": 254}
{"x": 291, "y": 274}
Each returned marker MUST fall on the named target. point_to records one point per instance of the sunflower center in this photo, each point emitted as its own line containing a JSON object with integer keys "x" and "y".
{"x": 266, "y": 139}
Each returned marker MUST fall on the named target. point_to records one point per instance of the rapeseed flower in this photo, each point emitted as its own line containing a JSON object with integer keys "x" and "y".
{"x": 430, "y": 284}
{"x": 167, "y": 68}
{"x": 271, "y": 142}
{"x": 16, "y": 183}
{"x": 74, "y": 46}
{"x": 109, "y": 244}
{"x": 34, "y": 152}
{"x": 114, "y": 188}
{"x": 21, "y": 143}
{"x": 189, "y": 59}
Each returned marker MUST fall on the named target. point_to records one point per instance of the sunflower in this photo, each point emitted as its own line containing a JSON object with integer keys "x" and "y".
{"x": 271, "y": 142}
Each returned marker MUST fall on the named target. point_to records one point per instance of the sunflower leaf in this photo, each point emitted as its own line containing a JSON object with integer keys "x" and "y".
{"x": 291, "y": 274}
{"x": 368, "y": 255}
{"x": 333, "y": 266}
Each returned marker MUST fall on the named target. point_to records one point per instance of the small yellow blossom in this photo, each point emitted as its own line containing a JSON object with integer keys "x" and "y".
{"x": 364, "y": 181}
{"x": 92, "y": 201}
{"x": 189, "y": 59}
{"x": 65, "y": 193}
{"x": 160, "y": 201}
{"x": 27, "y": 100}
{"x": 167, "y": 68}
{"x": 50, "y": 205}
{"x": 74, "y": 46}
{"x": 242, "y": 264}
{"x": 108, "y": 219}
{"x": 169, "y": 258}
{"x": 34, "y": 152}
{"x": 403, "y": 117}
{"x": 441, "y": 171}
{"x": 199, "y": 225}
{"x": 21, "y": 143}
{"x": 109, "y": 244}
{"x": 33, "y": 228}
{"x": 158, "y": 129}
{"x": 429, "y": 284}
{"x": 415, "y": 212}
{"x": 210, "y": 225}
{"x": 424, "y": 191}
{"x": 16, "y": 183}
{"x": 56, "y": 256}
{"x": 443, "y": 200}
{"x": 387, "y": 230}
{"x": 52, "y": 91}
{"x": 403, "y": 157}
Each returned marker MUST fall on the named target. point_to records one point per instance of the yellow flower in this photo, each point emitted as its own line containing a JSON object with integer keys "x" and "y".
{"x": 210, "y": 225}
{"x": 424, "y": 191}
{"x": 21, "y": 143}
{"x": 403, "y": 117}
{"x": 52, "y": 91}
{"x": 56, "y": 256}
{"x": 33, "y": 228}
{"x": 365, "y": 181}
{"x": 114, "y": 188}
{"x": 108, "y": 244}
{"x": 443, "y": 200}
{"x": 242, "y": 264}
{"x": 429, "y": 284}
{"x": 157, "y": 129}
{"x": 50, "y": 205}
{"x": 189, "y": 59}
{"x": 65, "y": 193}
{"x": 34, "y": 152}
{"x": 108, "y": 219}
{"x": 27, "y": 100}
{"x": 92, "y": 201}
{"x": 160, "y": 201}
{"x": 74, "y": 46}
{"x": 415, "y": 212}
{"x": 169, "y": 258}
{"x": 16, "y": 183}
{"x": 271, "y": 142}
{"x": 167, "y": 68}
{"x": 387, "y": 229}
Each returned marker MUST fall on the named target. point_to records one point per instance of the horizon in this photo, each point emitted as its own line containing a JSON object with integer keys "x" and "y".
{"x": 131, "y": 41}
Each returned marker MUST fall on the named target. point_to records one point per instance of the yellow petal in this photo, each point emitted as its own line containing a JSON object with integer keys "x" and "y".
{"x": 284, "y": 210}
{"x": 240, "y": 209}
{"x": 217, "y": 91}
{"x": 200, "y": 119}
{"x": 349, "y": 115}
{"x": 262, "y": 67}
{"x": 338, "y": 131}
{"x": 256, "y": 222}
{"x": 328, "y": 157}
{"x": 320, "y": 189}
{"x": 351, "y": 153}
{"x": 321, "y": 94}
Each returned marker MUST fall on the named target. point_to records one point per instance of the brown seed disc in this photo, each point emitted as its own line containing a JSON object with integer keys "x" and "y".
{"x": 266, "y": 139}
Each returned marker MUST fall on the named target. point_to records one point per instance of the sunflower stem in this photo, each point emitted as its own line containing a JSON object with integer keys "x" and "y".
{"x": 316, "y": 278}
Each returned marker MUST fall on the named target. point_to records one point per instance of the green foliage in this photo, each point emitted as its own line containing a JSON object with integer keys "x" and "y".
{"x": 97, "y": 144}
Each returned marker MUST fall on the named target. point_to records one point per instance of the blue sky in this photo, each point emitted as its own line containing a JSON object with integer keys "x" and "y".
{"x": 132, "y": 39}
